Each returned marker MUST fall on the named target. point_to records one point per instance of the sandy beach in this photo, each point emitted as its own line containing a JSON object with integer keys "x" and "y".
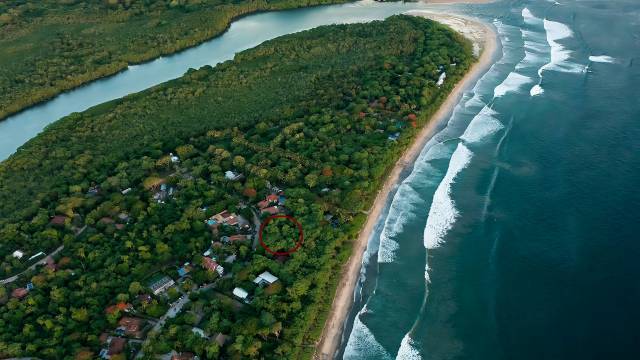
{"x": 484, "y": 39}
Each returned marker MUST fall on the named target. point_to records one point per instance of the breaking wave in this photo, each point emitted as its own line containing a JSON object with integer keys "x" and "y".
{"x": 602, "y": 59}
{"x": 402, "y": 210}
{"x": 482, "y": 125}
{"x": 443, "y": 212}
{"x": 512, "y": 83}
{"x": 362, "y": 343}
{"x": 408, "y": 350}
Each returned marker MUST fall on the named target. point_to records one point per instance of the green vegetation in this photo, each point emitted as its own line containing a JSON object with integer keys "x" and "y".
{"x": 309, "y": 113}
{"x": 49, "y": 46}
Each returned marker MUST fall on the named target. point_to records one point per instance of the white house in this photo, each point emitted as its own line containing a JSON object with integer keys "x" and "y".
{"x": 18, "y": 254}
{"x": 174, "y": 159}
{"x": 220, "y": 270}
{"x": 233, "y": 176}
{"x": 266, "y": 278}
{"x": 240, "y": 293}
{"x": 441, "y": 79}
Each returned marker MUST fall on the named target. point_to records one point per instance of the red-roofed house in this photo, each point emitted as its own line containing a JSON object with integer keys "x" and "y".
{"x": 271, "y": 210}
{"x": 58, "y": 220}
{"x": 19, "y": 293}
{"x": 209, "y": 264}
{"x": 116, "y": 345}
{"x": 119, "y": 306}
{"x": 131, "y": 326}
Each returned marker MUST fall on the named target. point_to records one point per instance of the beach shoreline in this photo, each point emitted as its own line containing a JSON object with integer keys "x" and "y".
{"x": 484, "y": 38}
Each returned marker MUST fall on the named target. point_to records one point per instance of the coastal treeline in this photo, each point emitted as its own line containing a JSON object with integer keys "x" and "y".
{"x": 130, "y": 187}
{"x": 49, "y": 46}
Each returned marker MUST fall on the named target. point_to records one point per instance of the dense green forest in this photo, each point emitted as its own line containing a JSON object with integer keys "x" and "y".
{"x": 322, "y": 115}
{"x": 49, "y": 46}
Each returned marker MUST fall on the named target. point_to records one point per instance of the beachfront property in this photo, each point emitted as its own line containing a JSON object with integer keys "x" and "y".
{"x": 266, "y": 278}
{"x": 160, "y": 285}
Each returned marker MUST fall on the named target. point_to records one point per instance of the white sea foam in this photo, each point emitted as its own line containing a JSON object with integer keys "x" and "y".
{"x": 443, "y": 212}
{"x": 529, "y": 18}
{"x": 559, "y": 54}
{"x": 536, "y": 90}
{"x": 602, "y": 59}
{"x": 513, "y": 82}
{"x": 403, "y": 208}
{"x": 362, "y": 344}
{"x": 481, "y": 126}
{"x": 408, "y": 350}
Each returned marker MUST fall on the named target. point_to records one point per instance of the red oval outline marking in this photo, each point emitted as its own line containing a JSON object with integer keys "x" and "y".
{"x": 279, "y": 253}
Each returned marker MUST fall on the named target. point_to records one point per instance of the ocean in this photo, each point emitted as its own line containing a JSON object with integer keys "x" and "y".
{"x": 516, "y": 234}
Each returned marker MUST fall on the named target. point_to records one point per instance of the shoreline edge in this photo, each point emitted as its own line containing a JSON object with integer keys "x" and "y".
{"x": 331, "y": 336}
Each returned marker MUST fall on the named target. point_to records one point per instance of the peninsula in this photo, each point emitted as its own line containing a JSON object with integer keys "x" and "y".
{"x": 157, "y": 196}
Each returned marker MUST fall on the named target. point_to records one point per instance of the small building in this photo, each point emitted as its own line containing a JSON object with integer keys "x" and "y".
{"x": 161, "y": 285}
{"x": 232, "y": 175}
{"x": 115, "y": 346}
{"x": 441, "y": 79}
{"x": 125, "y": 191}
{"x": 394, "y": 136}
{"x": 199, "y": 332}
{"x": 131, "y": 326}
{"x": 272, "y": 210}
{"x": 19, "y": 293}
{"x": 240, "y": 293}
{"x": 209, "y": 264}
{"x": 266, "y": 278}
{"x": 58, "y": 220}
{"x": 18, "y": 254}
{"x": 174, "y": 158}
{"x": 235, "y": 238}
{"x": 29, "y": 286}
{"x": 225, "y": 217}
{"x": 184, "y": 270}
{"x": 121, "y": 306}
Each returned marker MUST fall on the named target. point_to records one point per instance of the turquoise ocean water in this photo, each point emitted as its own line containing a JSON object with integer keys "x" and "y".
{"x": 516, "y": 235}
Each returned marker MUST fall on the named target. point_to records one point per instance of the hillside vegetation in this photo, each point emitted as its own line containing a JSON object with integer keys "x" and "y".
{"x": 49, "y": 46}
{"x": 318, "y": 117}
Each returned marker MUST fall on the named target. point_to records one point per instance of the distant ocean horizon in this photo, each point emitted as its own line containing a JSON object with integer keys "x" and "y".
{"x": 516, "y": 233}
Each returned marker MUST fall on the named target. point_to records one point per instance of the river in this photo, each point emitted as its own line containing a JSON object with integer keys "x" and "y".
{"x": 515, "y": 234}
{"x": 243, "y": 34}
